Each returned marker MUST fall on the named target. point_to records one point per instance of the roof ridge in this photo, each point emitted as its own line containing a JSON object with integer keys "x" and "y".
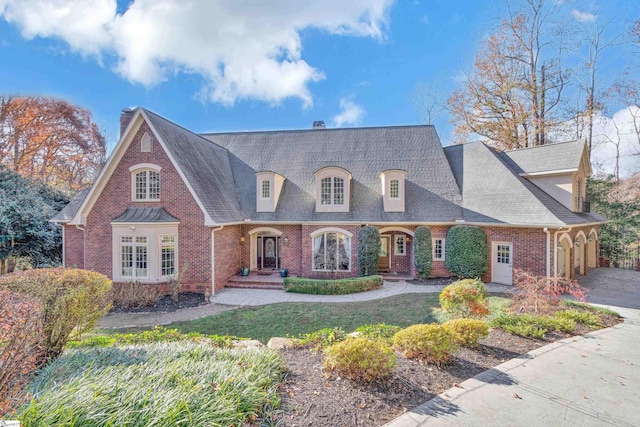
{"x": 316, "y": 130}
{"x": 544, "y": 145}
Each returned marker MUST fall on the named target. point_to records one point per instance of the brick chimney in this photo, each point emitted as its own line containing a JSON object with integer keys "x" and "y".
{"x": 125, "y": 117}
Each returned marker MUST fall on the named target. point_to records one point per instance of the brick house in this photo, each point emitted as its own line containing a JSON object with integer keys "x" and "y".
{"x": 169, "y": 200}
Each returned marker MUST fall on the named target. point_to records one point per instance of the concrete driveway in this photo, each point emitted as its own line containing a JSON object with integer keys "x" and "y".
{"x": 613, "y": 286}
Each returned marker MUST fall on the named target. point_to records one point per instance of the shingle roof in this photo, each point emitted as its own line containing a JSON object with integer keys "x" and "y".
{"x": 545, "y": 158}
{"x": 494, "y": 193}
{"x": 70, "y": 210}
{"x": 431, "y": 193}
{"x": 138, "y": 214}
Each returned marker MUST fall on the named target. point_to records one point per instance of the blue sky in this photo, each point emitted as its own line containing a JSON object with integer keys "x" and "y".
{"x": 250, "y": 65}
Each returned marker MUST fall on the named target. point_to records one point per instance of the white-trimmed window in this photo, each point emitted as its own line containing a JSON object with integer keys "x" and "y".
{"x": 400, "y": 245}
{"x": 332, "y": 191}
{"x": 332, "y": 252}
{"x": 147, "y": 185}
{"x": 438, "y": 249}
{"x": 394, "y": 189}
{"x": 167, "y": 255}
{"x": 266, "y": 189}
{"x": 134, "y": 256}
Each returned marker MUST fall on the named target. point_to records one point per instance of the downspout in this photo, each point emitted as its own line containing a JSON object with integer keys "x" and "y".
{"x": 213, "y": 259}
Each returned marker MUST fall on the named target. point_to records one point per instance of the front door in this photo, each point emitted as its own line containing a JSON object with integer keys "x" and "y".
{"x": 385, "y": 255}
{"x": 502, "y": 263}
{"x": 268, "y": 252}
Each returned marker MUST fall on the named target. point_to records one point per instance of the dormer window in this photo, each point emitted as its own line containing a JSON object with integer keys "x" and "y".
{"x": 332, "y": 189}
{"x": 268, "y": 189}
{"x": 392, "y": 182}
{"x": 145, "y": 183}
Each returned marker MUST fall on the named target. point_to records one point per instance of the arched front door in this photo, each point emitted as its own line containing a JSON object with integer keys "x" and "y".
{"x": 268, "y": 255}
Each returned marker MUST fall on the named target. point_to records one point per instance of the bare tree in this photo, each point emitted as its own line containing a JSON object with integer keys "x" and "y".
{"x": 428, "y": 103}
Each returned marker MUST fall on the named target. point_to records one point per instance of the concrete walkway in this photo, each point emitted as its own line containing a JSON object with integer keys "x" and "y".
{"x": 592, "y": 380}
{"x": 232, "y": 298}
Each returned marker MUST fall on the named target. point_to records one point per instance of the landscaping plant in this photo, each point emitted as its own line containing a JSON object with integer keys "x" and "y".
{"x": 429, "y": 343}
{"x": 72, "y": 301}
{"x": 380, "y": 331}
{"x": 360, "y": 359}
{"x": 579, "y": 316}
{"x": 468, "y": 332}
{"x": 20, "y": 352}
{"x": 466, "y": 251}
{"x": 529, "y": 325}
{"x": 368, "y": 250}
{"x": 321, "y": 338}
{"x": 538, "y": 293}
{"x": 134, "y": 294}
{"x": 423, "y": 247}
{"x": 465, "y": 299}
{"x": 350, "y": 285}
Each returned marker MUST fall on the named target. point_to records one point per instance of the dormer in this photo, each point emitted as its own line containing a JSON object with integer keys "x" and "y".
{"x": 333, "y": 189}
{"x": 268, "y": 189}
{"x": 393, "y": 190}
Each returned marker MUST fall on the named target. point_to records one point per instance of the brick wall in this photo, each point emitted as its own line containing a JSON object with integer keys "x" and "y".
{"x": 73, "y": 246}
{"x": 228, "y": 254}
{"x": 194, "y": 245}
{"x": 290, "y": 245}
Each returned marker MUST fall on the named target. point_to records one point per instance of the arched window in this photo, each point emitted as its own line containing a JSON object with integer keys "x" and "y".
{"x": 331, "y": 251}
{"x": 332, "y": 191}
{"x": 145, "y": 183}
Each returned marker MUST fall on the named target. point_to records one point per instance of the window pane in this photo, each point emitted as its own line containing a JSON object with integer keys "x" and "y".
{"x": 266, "y": 189}
{"x": 126, "y": 260}
{"x": 344, "y": 251}
{"x": 141, "y": 185}
{"x": 141, "y": 261}
{"x": 168, "y": 260}
{"x": 394, "y": 189}
{"x": 338, "y": 191}
{"x": 168, "y": 239}
{"x": 325, "y": 191}
{"x": 331, "y": 260}
{"x": 154, "y": 185}
{"x": 438, "y": 246}
{"x": 142, "y": 240}
{"x": 318, "y": 252}
{"x": 400, "y": 244}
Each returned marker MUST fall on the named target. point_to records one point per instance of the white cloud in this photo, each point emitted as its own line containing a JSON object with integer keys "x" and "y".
{"x": 583, "y": 16}
{"x": 243, "y": 49}
{"x": 350, "y": 113}
{"x": 606, "y": 139}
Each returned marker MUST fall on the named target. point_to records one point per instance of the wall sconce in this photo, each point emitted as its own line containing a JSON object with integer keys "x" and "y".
{"x": 286, "y": 240}
{"x": 133, "y": 227}
{"x": 241, "y": 239}
{"x": 590, "y": 238}
{"x": 408, "y": 239}
{"x": 576, "y": 243}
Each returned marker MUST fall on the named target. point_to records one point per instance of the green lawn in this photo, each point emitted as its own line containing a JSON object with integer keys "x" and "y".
{"x": 291, "y": 319}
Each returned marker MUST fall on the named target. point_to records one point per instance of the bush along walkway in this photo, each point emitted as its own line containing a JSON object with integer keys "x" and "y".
{"x": 231, "y": 298}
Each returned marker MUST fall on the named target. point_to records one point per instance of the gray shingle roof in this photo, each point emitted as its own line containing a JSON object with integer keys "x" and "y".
{"x": 431, "y": 192}
{"x": 494, "y": 193}
{"x": 70, "y": 210}
{"x": 138, "y": 214}
{"x": 545, "y": 158}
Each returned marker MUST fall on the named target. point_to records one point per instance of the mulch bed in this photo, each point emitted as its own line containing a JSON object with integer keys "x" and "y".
{"x": 438, "y": 281}
{"x": 166, "y": 304}
{"x": 312, "y": 398}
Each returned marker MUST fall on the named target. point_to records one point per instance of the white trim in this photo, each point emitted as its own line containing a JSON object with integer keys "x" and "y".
{"x": 150, "y": 224}
{"x": 433, "y": 248}
{"x": 401, "y": 229}
{"x": 551, "y": 172}
{"x": 330, "y": 230}
{"x": 149, "y": 166}
{"x": 581, "y": 234}
{"x": 593, "y": 231}
{"x": 565, "y": 236}
{"x": 134, "y": 185}
{"x": 395, "y": 244}
{"x": 494, "y": 260}
{"x": 266, "y": 230}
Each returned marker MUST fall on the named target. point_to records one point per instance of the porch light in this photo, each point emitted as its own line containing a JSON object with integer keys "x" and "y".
{"x": 241, "y": 239}
{"x": 590, "y": 238}
{"x": 286, "y": 240}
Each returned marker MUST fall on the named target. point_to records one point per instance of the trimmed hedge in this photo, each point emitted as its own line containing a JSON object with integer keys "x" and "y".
{"x": 368, "y": 250}
{"x": 423, "y": 247}
{"x": 466, "y": 251}
{"x": 360, "y": 359}
{"x": 332, "y": 287}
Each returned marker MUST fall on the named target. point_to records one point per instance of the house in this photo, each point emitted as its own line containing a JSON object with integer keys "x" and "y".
{"x": 171, "y": 200}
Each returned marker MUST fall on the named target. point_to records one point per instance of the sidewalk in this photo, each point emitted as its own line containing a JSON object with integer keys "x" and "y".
{"x": 592, "y": 380}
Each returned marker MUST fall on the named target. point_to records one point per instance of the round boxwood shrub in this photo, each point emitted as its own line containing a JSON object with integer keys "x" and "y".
{"x": 368, "y": 250}
{"x": 423, "y": 256}
{"x": 360, "y": 359}
{"x": 469, "y": 332}
{"x": 465, "y": 299}
{"x": 429, "y": 343}
{"x": 466, "y": 251}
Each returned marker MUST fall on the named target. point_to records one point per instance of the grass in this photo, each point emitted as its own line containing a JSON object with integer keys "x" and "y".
{"x": 293, "y": 319}
{"x": 178, "y": 383}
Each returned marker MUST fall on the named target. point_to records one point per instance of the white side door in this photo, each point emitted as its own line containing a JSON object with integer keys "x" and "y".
{"x": 502, "y": 265}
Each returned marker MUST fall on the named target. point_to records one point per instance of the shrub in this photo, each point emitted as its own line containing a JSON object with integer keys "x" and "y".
{"x": 430, "y": 343}
{"x": 134, "y": 294}
{"x": 72, "y": 301}
{"x": 368, "y": 250}
{"x": 332, "y": 287}
{"x": 423, "y": 247}
{"x": 585, "y": 317}
{"x": 528, "y": 325}
{"x": 538, "y": 293}
{"x": 466, "y": 251}
{"x": 360, "y": 359}
{"x": 322, "y": 338}
{"x": 465, "y": 298}
{"x": 469, "y": 332}
{"x": 380, "y": 331}
{"x": 591, "y": 308}
{"x": 20, "y": 352}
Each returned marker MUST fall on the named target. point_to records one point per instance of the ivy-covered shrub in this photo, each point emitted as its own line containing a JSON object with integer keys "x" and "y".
{"x": 20, "y": 352}
{"x": 423, "y": 255}
{"x": 360, "y": 359}
{"x": 350, "y": 285}
{"x": 469, "y": 332}
{"x": 429, "y": 343}
{"x": 466, "y": 251}
{"x": 379, "y": 331}
{"x": 368, "y": 250}
{"x": 72, "y": 301}
{"x": 465, "y": 299}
